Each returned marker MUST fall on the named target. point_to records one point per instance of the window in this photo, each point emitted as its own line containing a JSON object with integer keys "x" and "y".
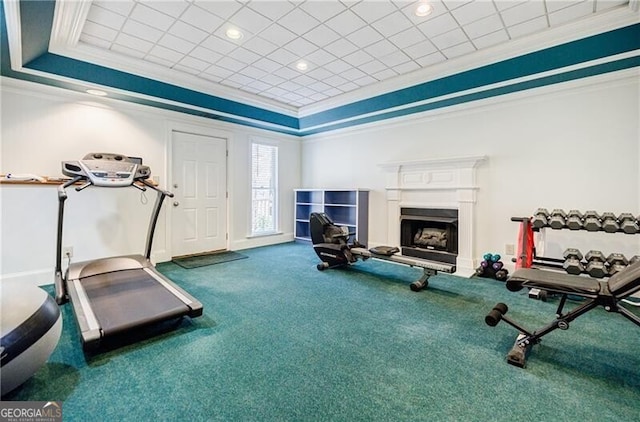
{"x": 264, "y": 193}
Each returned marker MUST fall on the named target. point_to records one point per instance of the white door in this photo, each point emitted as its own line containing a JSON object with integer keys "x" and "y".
{"x": 199, "y": 172}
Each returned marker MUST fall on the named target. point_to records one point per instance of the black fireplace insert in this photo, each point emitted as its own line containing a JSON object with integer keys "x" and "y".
{"x": 429, "y": 233}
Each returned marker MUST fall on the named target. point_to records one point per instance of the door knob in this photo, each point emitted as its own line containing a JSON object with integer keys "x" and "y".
{"x": 176, "y": 203}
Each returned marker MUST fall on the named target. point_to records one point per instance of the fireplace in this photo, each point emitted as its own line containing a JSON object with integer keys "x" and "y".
{"x": 435, "y": 184}
{"x": 429, "y": 233}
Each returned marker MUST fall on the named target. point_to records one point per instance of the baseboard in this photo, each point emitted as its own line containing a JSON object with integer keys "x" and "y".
{"x": 255, "y": 242}
{"x": 36, "y": 278}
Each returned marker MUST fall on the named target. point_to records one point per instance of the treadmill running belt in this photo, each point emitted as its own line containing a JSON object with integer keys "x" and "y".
{"x": 122, "y": 300}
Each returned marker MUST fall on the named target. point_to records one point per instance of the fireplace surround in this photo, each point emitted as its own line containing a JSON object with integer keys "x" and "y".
{"x": 435, "y": 184}
{"x": 429, "y": 233}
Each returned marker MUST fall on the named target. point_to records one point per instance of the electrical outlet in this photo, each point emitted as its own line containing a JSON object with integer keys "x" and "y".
{"x": 509, "y": 249}
{"x": 68, "y": 251}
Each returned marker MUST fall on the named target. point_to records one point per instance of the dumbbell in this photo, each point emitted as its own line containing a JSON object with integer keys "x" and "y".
{"x": 573, "y": 261}
{"x": 574, "y": 220}
{"x": 617, "y": 262}
{"x": 610, "y": 222}
{"x": 596, "y": 264}
{"x": 540, "y": 218}
{"x": 592, "y": 221}
{"x": 558, "y": 219}
{"x": 628, "y": 224}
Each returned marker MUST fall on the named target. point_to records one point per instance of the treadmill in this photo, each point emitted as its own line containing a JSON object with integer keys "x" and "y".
{"x": 117, "y": 295}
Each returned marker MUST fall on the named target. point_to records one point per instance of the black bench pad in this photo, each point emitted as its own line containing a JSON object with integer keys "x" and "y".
{"x": 554, "y": 282}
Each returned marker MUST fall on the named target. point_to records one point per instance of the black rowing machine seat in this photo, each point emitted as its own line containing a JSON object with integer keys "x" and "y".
{"x": 384, "y": 250}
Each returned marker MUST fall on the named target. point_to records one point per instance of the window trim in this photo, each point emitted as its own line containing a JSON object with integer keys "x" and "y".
{"x": 276, "y": 194}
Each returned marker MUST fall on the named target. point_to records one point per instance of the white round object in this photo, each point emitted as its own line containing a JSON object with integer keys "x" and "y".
{"x": 30, "y": 328}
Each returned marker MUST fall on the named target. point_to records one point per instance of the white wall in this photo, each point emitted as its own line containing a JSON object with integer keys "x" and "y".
{"x": 42, "y": 126}
{"x": 571, "y": 146}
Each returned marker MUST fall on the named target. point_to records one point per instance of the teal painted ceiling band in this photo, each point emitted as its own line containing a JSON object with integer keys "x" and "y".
{"x": 37, "y": 19}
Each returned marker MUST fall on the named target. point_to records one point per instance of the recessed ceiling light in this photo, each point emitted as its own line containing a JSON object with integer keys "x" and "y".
{"x": 234, "y": 33}
{"x": 424, "y": 9}
{"x": 96, "y": 92}
{"x": 302, "y": 66}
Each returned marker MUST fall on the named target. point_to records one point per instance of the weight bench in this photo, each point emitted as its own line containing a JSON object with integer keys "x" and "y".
{"x": 608, "y": 294}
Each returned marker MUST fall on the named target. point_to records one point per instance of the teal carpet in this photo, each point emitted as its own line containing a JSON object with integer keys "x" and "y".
{"x": 197, "y": 261}
{"x": 281, "y": 341}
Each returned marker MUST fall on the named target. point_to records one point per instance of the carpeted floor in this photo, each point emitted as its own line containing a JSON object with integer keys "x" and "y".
{"x": 282, "y": 341}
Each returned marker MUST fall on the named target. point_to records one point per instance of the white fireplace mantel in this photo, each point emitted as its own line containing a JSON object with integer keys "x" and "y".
{"x": 436, "y": 183}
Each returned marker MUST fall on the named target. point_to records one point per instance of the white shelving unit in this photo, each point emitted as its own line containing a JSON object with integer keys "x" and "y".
{"x": 346, "y": 207}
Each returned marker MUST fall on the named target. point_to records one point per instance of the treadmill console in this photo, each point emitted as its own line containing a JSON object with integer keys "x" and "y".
{"x": 107, "y": 170}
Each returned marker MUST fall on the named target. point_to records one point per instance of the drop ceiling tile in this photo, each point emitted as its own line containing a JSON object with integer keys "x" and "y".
{"x": 300, "y": 47}
{"x": 438, "y": 8}
{"x": 170, "y": 8}
{"x": 523, "y": 12}
{"x": 175, "y": 43}
{"x": 353, "y": 74}
{"x": 357, "y": 58}
{"x": 337, "y": 66}
{"x": 201, "y": 19}
{"x": 252, "y": 21}
{"x": 507, "y": 4}
{"x": 554, "y": 6}
{"x": 449, "y": 39}
{"x": 320, "y": 86}
{"x": 253, "y": 72}
{"x": 458, "y": 50}
{"x": 320, "y": 57}
{"x": 438, "y": 25}
{"x": 127, "y": 51}
{"x": 406, "y": 67}
{"x": 259, "y": 86}
{"x": 193, "y": 63}
{"x": 267, "y": 65}
{"x": 231, "y": 64}
{"x": 319, "y": 73}
{"x": 96, "y": 42}
{"x": 282, "y": 56}
{"x": 571, "y": 13}
{"x": 122, "y": 7}
{"x": 349, "y": 86}
{"x": 365, "y": 80}
{"x": 374, "y": 66}
{"x": 99, "y": 31}
{"x": 259, "y": 45}
{"x": 141, "y": 30}
{"x": 492, "y": 39}
{"x": 305, "y": 92}
{"x": 321, "y": 35}
{"x": 218, "y": 72}
{"x": 392, "y": 24}
{"x": 471, "y": 12}
{"x": 335, "y": 80}
{"x": 276, "y": 91}
{"x": 290, "y": 86}
{"x": 243, "y": 55}
{"x": 345, "y": 23}
{"x": 528, "y": 27}
{"x": 273, "y": 10}
{"x": 394, "y": 59}
{"x": 407, "y": 37}
{"x": 231, "y": 83}
{"x": 381, "y": 48}
{"x": 483, "y": 26}
{"x": 133, "y": 43}
{"x": 298, "y": 21}
{"x": 341, "y": 47}
{"x": 420, "y": 50}
{"x": 332, "y": 92}
{"x": 188, "y": 32}
{"x": 106, "y": 18}
{"x": 303, "y": 80}
{"x": 431, "y": 59}
{"x": 318, "y": 97}
{"x": 205, "y": 54}
{"x": 151, "y": 17}
{"x": 166, "y": 54}
{"x": 454, "y": 4}
{"x": 278, "y": 34}
{"x": 240, "y": 78}
{"x": 371, "y": 12}
{"x": 158, "y": 60}
{"x": 385, "y": 74}
{"x": 323, "y": 10}
{"x": 218, "y": 45}
{"x": 224, "y": 9}
{"x": 273, "y": 79}
{"x": 365, "y": 36}
{"x": 286, "y": 73}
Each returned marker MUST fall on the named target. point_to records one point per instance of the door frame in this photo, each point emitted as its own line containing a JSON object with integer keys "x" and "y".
{"x": 194, "y": 129}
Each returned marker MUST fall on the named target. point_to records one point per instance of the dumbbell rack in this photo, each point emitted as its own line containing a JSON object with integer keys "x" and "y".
{"x": 531, "y": 253}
